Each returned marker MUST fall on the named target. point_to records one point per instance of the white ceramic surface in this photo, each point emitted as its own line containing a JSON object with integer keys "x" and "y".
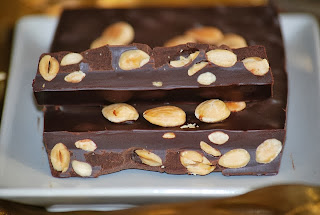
{"x": 24, "y": 171}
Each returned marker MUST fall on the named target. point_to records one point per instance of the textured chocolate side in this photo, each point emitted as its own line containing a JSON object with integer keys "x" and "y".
{"x": 105, "y": 82}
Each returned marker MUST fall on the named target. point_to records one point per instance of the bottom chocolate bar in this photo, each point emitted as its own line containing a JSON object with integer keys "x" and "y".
{"x": 80, "y": 142}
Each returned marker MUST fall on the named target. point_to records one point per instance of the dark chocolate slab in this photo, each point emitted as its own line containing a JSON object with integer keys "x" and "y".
{"x": 105, "y": 82}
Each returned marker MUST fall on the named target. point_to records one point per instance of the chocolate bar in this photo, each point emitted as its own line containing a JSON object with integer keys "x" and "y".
{"x": 103, "y": 75}
{"x": 86, "y": 144}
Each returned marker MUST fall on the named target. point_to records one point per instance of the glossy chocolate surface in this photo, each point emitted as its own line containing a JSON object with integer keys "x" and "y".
{"x": 261, "y": 120}
{"x": 106, "y": 82}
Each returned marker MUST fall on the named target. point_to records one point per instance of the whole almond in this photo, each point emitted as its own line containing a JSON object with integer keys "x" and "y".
{"x": 71, "y": 58}
{"x": 206, "y": 78}
{"x": 236, "y": 106}
{"x": 256, "y": 65}
{"x": 221, "y": 57}
{"x": 48, "y": 67}
{"x": 268, "y": 150}
{"x": 81, "y": 168}
{"x": 178, "y": 40}
{"x": 211, "y": 111}
{"x": 119, "y": 33}
{"x": 218, "y": 137}
{"x": 148, "y": 157}
{"x": 86, "y": 144}
{"x": 75, "y": 77}
{"x": 60, "y": 157}
{"x": 120, "y": 112}
{"x": 236, "y": 158}
{"x": 234, "y": 41}
{"x": 133, "y": 59}
{"x": 165, "y": 116}
{"x": 205, "y": 34}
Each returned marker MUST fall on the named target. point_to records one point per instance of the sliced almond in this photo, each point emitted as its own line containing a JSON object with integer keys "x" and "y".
{"x": 206, "y": 78}
{"x": 256, "y": 65}
{"x": 71, "y": 58}
{"x": 236, "y": 106}
{"x": 157, "y": 83}
{"x": 48, "y": 67}
{"x": 205, "y": 34}
{"x": 268, "y": 150}
{"x": 234, "y": 41}
{"x": 86, "y": 144}
{"x": 196, "y": 68}
{"x": 165, "y": 116}
{"x": 133, "y": 59}
{"x": 209, "y": 149}
{"x": 178, "y": 40}
{"x": 169, "y": 135}
{"x": 236, "y": 158}
{"x": 184, "y": 60}
{"x": 211, "y": 111}
{"x": 119, "y": 33}
{"x": 148, "y": 157}
{"x": 60, "y": 157}
{"x": 120, "y": 112}
{"x": 196, "y": 163}
{"x": 75, "y": 77}
{"x": 81, "y": 168}
{"x": 221, "y": 57}
{"x": 218, "y": 137}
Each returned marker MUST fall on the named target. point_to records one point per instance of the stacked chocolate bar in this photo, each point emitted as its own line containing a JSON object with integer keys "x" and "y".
{"x": 209, "y": 105}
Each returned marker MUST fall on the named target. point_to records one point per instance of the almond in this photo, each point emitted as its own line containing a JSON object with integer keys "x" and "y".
{"x": 206, "y": 78}
{"x": 268, "y": 150}
{"x": 236, "y": 158}
{"x": 86, "y": 144}
{"x": 165, "y": 116}
{"x": 218, "y": 137}
{"x": 148, "y": 157}
{"x": 81, "y": 168}
{"x": 184, "y": 60}
{"x": 75, "y": 77}
{"x": 60, "y": 157}
{"x": 133, "y": 59}
{"x": 196, "y": 68}
{"x": 169, "y": 135}
{"x": 256, "y": 65}
{"x": 205, "y": 34}
{"x": 178, "y": 40}
{"x": 71, "y": 58}
{"x": 196, "y": 163}
{"x": 236, "y": 106}
{"x": 221, "y": 57}
{"x": 48, "y": 67}
{"x": 211, "y": 111}
{"x": 234, "y": 41}
{"x": 120, "y": 112}
{"x": 209, "y": 149}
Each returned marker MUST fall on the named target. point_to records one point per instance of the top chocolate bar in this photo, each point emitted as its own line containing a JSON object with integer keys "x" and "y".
{"x": 137, "y": 72}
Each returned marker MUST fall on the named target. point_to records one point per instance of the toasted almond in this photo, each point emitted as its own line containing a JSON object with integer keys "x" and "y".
{"x": 75, "y": 77}
{"x": 206, "y": 78}
{"x": 234, "y": 41}
{"x": 211, "y": 111}
{"x": 178, "y": 40}
{"x": 196, "y": 68}
{"x": 236, "y": 106}
{"x": 205, "y": 34}
{"x": 235, "y": 158}
{"x": 133, "y": 59}
{"x": 221, "y": 57}
{"x": 71, "y": 58}
{"x": 165, "y": 116}
{"x": 86, "y": 144}
{"x": 169, "y": 135}
{"x": 218, "y": 137}
{"x": 209, "y": 149}
{"x": 120, "y": 112}
{"x": 184, "y": 60}
{"x": 256, "y": 65}
{"x": 119, "y": 33}
{"x": 48, "y": 67}
{"x": 157, "y": 83}
{"x": 99, "y": 42}
{"x": 268, "y": 150}
{"x": 196, "y": 163}
{"x": 81, "y": 168}
{"x": 60, "y": 157}
{"x": 148, "y": 157}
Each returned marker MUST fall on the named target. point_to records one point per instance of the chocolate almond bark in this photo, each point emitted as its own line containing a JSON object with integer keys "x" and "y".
{"x": 247, "y": 141}
{"x": 109, "y": 74}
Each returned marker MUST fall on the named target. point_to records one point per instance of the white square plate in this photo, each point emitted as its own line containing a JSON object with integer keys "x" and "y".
{"x": 24, "y": 169}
